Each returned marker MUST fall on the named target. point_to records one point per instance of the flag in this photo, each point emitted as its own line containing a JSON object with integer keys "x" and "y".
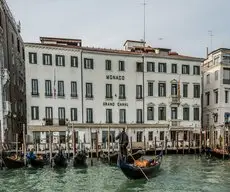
{"x": 54, "y": 83}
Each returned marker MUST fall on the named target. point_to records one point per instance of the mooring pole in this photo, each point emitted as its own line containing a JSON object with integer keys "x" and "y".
{"x": 108, "y": 144}
{"x": 50, "y": 149}
{"x": 73, "y": 140}
{"x": 97, "y": 144}
{"x": 17, "y": 145}
{"x": 91, "y": 146}
{"x": 24, "y": 143}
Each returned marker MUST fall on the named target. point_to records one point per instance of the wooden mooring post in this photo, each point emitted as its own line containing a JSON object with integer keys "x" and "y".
{"x": 131, "y": 144}
{"x": 97, "y": 145}
{"x": 108, "y": 144}
{"x": 24, "y": 143}
{"x": 91, "y": 147}
{"x": 166, "y": 143}
{"x": 177, "y": 144}
{"x": 224, "y": 143}
{"x": 189, "y": 141}
{"x": 73, "y": 141}
{"x": 50, "y": 149}
{"x": 17, "y": 145}
{"x": 183, "y": 143}
{"x": 155, "y": 141}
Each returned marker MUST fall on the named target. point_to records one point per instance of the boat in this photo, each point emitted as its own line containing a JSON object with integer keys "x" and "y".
{"x": 13, "y": 162}
{"x": 114, "y": 157}
{"x": 219, "y": 153}
{"x": 60, "y": 160}
{"x": 80, "y": 159}
{"x": 132, "y": 171}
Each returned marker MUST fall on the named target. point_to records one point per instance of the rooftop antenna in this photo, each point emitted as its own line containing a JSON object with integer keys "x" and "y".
{"x": 211, "y": 35}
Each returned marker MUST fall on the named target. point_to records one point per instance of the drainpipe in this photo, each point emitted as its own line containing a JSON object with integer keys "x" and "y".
{"x": 82, "y": 95}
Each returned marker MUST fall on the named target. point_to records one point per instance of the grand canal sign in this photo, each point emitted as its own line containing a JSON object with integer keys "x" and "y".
{"x": 117, "y": 77}
{"x": 119, "y": 104}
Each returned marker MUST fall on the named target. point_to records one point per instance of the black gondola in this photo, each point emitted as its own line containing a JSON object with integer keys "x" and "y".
{"x": 133, "y": 172}
{"x": 60, "y": 160}
{"x": 114, "y": 157}
{"x": 37, "y": 163}
{"x": 80, "y": 159}
{"x": 11, "y": 163}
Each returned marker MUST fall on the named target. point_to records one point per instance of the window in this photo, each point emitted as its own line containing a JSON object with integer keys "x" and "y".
{"x": 196, "y": 114}
{"x": 207, "y": 98}
{"x": 196, "y": 91}
{"x": 174, "y": 113}
{"x": 162, "y": 135}
{"x": 139, "y": 67}
{"x": 139, "y": 116}
{"x": 49, "y": 112}
{"x": 18, "y": 45}
{"x": 60, "y": 60}
{"x": 186, "y": 113}
{"x": 61, "y": 113}
{"x": 12, "y": 35}
{"x": 162, "y": 89}
{"x": 226, "y": 96}
{"x": 162, "y": 67}
{"x": 73, "y": 88}
{"x": 89, "y": 115}
{"x": 196, "y": 70}
{"x": 122, "y": 91}
{"x": 48, "y": 88}
{"x": 150, "y": 136}
{"x": 216, "y": 96}
{"x": 108, "y": 91}
{"x": 122, "y": 115}
{"x": 216, "y": 75}
{"x": 61, "y": 89}
{"x": 108, "y": 65}
{"x": 174, "y": 68}
{"x": 109, "y": 117}
{"x": 208, "y": 78}
{"x": 89, "y": 90}
{"x": 173, "y": 89}
{"x": 35, "y": 87}
{"x": 73, "y": 112}
{"x": 139, "y": 91}
{"x": 33, "y": 58}
{"x": 150, "y": 67}
{"x": 185, "y": 90}
{"x": 162, "y": 113}
{"x": 74, "y": 61}
{"x": 34, "y": 113}
{"x": 226, "y": 76}
{"x": 150, "y": 113}
{"x": 47, "y": 59}
{"x": 121, "y": 66}
{"x": 139, "y": 136}
{"x": 88, "y": 63}
{"x": 150, "y": 88}
{"x": 185, "y": 69}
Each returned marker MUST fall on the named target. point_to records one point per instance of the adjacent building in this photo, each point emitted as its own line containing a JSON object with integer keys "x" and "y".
{"x": 12, "y": 81}
{"x": 216, "y": 83}
{"x": 153, "y": 92}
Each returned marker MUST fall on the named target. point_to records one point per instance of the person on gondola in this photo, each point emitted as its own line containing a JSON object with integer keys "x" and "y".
{"x": 123, "y": 143}
{"x": 31, "y": 155}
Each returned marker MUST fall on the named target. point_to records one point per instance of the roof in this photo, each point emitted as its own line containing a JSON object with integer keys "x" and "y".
{"x": 59, "y": 39}
{"x": 115, "y": 51}
{"x": 220, "y": 49}
{"x": 134, "y": 41}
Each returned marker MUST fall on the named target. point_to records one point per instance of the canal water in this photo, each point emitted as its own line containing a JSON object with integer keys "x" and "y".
{"x": 178, "y": 173}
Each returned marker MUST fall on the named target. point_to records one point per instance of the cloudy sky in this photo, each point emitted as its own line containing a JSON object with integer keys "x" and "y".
{"x": 181, "y": 25}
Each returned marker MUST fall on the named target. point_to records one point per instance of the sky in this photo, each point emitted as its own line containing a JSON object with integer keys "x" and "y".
{"x": 181, "y": 25}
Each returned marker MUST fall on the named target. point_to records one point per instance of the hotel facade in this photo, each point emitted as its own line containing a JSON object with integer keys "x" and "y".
{"x": 153, "y": 92}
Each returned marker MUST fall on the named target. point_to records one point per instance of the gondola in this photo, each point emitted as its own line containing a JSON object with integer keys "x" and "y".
{"x": 13, "y": 163}
{"x": 218, "y": 153}
{"x": 114, "y": 157}
{"x": 60, "y": 161}
{"x": 80, "y": 159}
{"x": 134, "y": 172}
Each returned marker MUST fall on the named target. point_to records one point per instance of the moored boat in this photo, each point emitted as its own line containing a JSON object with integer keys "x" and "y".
{"x": 136, "y": 171}
{"x": 60, "y": 160}
{"x": 13, "y": 162}
{"x": 113, "y": 157}
{"x": 80, "y": 159}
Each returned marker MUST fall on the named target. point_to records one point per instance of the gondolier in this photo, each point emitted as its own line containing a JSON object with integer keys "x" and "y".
{"x": 123, "y": 143}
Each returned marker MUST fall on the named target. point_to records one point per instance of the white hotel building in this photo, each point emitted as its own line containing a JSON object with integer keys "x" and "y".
{"x": 93, "y": 89}
{"x": 216, "y": 106}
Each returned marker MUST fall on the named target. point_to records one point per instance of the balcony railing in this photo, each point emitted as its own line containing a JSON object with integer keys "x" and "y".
{"x": 175, "y": 123}
{"x": 62, "y": 121}
{"x": 48, "y": 121}
{"x": 175, "y": 99}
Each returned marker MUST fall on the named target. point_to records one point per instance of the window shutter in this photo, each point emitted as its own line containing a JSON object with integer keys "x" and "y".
{"x": 92, "y": 64}
{"x": 56, "y": 60}
{"x": 43, "y": 59}
{"x": 35, "y": 58}
{"x": 63, "y": 60}
{"x": 85, "y": 62}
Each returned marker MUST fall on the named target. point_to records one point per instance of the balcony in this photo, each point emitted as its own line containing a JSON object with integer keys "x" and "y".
{"x": 175, "y": 123}
{"x": 48, "y": 121}
{"x": 6, "y": 107}
{"x": 175, "y": 99}
{"x": 62, "y": 122}
{"x": 6, "y": 76}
